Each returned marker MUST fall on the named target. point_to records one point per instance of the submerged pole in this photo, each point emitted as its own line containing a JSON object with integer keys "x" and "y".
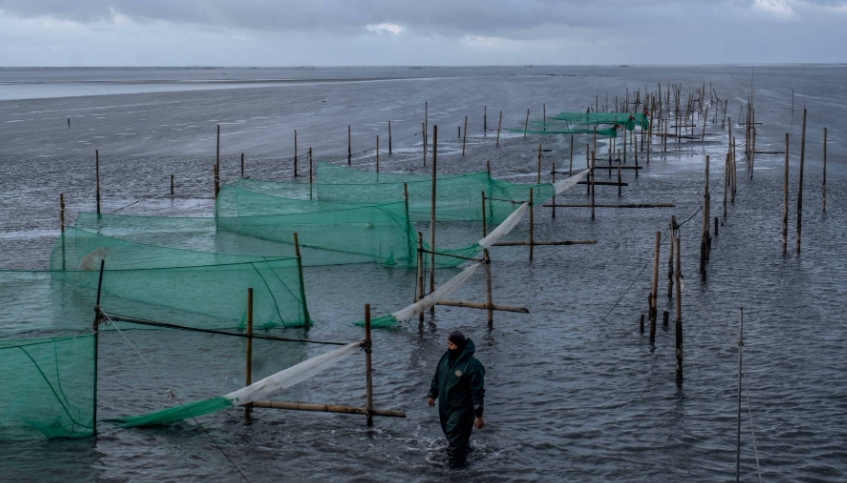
{"x": 465, "y": 135}
{"x": 98, "y": 316}
{"x": 785, "y": 201}
{"x": 531, "y": 226}
{"x": 678, "y": 305}
{"x": 738, "y": 418}
{"x": 488, "y": 296}
{"x": 249, "y": 370}
{"x": 369, "y": 389}
{"x": 389, "y": 138}
{"x": 526, "y": 123}
{"x": 295, "y": 153}
{"x": 97, "y": 177}
{"x": 432, "y": 215}
{"x": 800, "y": 184}
{"x": 420, "y": 293}
{"x": 349, "y": 146}
{"x": 242, "y": 168}
{"x": 824, "y": 170}
{"x": 499, "y": 123}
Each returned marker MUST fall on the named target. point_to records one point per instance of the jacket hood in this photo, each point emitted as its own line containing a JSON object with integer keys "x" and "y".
{"x": 467, "y": 351}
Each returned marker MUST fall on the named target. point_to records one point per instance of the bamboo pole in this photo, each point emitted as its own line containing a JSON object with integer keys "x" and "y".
{"x": 523, "y": 243}
{"x": 327, "y": 408}
{"x": 215, "y": 177}
{"x": 752, "y": 151}
{"x": 389, "y": 138}
{"x": 725, "y": 182}
{"x": 609, "y": 205}
{"x": 484, "y": 223}
{"x": 249, "y": 371}
{"x": 592, "y": 183}
{"x": 295, "y": 153}
{"x": 488, "y": 296}
{"x": 98, "y": 317}
{"x": 570, "y": 165}
{"x": 420, "y": 293}
{"x": 824, "y": 170}
{"x": 465, "y": 136}
{"x": 704, "y": 232}
{"x": 654, "y": 294}
{"x": 672, "y": 232}
{"x": 620, "y": 184}
{"x": 703, "y": 133}
{"x": 172, "y": 185}
{"x": 526, "y": 123}
{"x": 306, "y": 317}
{"x": 432, "y": 214}
{"x": 738, "y": 417}
{"x": 499, "y": 123}
{"x": 377, "y": 154}
{"x": 369, "y": 390}
{"x": 800, "y": 183}
{"x": 217, "y": 153}
{"x": 62, "y": 225}
{"x": 531, "y": 225}
{"x": 553, "y": 182}
{"x": 538, "y": 176}
{"x": 423, "y": 137}
{"x": 678, "y": 313}
{"x": 97, "y": 177}
{"x": 310, "y": 172}
{"x": 242, "y": 168}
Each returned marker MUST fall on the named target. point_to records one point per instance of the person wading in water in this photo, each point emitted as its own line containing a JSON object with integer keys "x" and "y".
{"x": 459, "y": 386}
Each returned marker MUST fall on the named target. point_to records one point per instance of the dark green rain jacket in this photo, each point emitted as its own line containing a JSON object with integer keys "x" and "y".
{"x": 459, "y": 386}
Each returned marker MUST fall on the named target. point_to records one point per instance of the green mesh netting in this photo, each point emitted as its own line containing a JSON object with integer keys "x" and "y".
{"x": 458, "y": 197}
{"x": 178, "y": 413}
{"x": 627, "y": 119}
{"x": 47, "y": 387}
{"x": 185, "y": 287}
{"x": 558, "y": 128}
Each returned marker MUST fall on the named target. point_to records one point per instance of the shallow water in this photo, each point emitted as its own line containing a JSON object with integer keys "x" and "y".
{"x": 574, "y": 391}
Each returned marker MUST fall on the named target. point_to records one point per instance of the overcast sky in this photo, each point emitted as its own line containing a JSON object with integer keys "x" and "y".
{"x": 406, "y": 32}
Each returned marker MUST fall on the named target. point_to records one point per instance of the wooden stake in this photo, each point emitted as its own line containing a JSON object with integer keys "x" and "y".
{"x": 538, "y": 176}
{"x": 499, "y": 123}
{"x": 62, "y": 225}
{"x": 242, "y": 168}
{"x": 306, "y": 317}
{"x": 654, "y": 294}
{"x": 377, "y": 154}
{"x": 432, "y": 214}
{"x": 620, "y": 184}
{"x": 672, "y": 232}
{"x": 97, "y": 177}
{"x": 544, "y": 116}
{"x": 423, "y": 136}
{"x": 665, "y": 314}
{"x": 526, "y": 123}
{"x": 725, "y": 182}
{"x": 824, "y": 170}
{"x": 703, "y": 133}
{"x": 295, "y": 153}
{"x": 800, "y": 184}
{"x": 465, "y": 136}
{"x": 485, "y": 121}
{"x": 310, "y": 172}
{"x": 484, "y": 223}
{"x": 217, "y": 153}
{"x": 570, "y": 165}
{"x": 678, "y": 314}
{"x": 389, "y": 138}
{"x": 350, "y": 146}
{"x": 553, "y": 182}
{"x": 369, "y": 390}
{"x": 98, "y": 316}
{"x": 592, "y": 183}
{"x": 704, "y": 232}
{"x": 488, "y": 296}
{"x": 420, "y": 293}
{"x": 172, "y": 185}
{"x": 531, "y": 226}
{"x": 249, "y": 372}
